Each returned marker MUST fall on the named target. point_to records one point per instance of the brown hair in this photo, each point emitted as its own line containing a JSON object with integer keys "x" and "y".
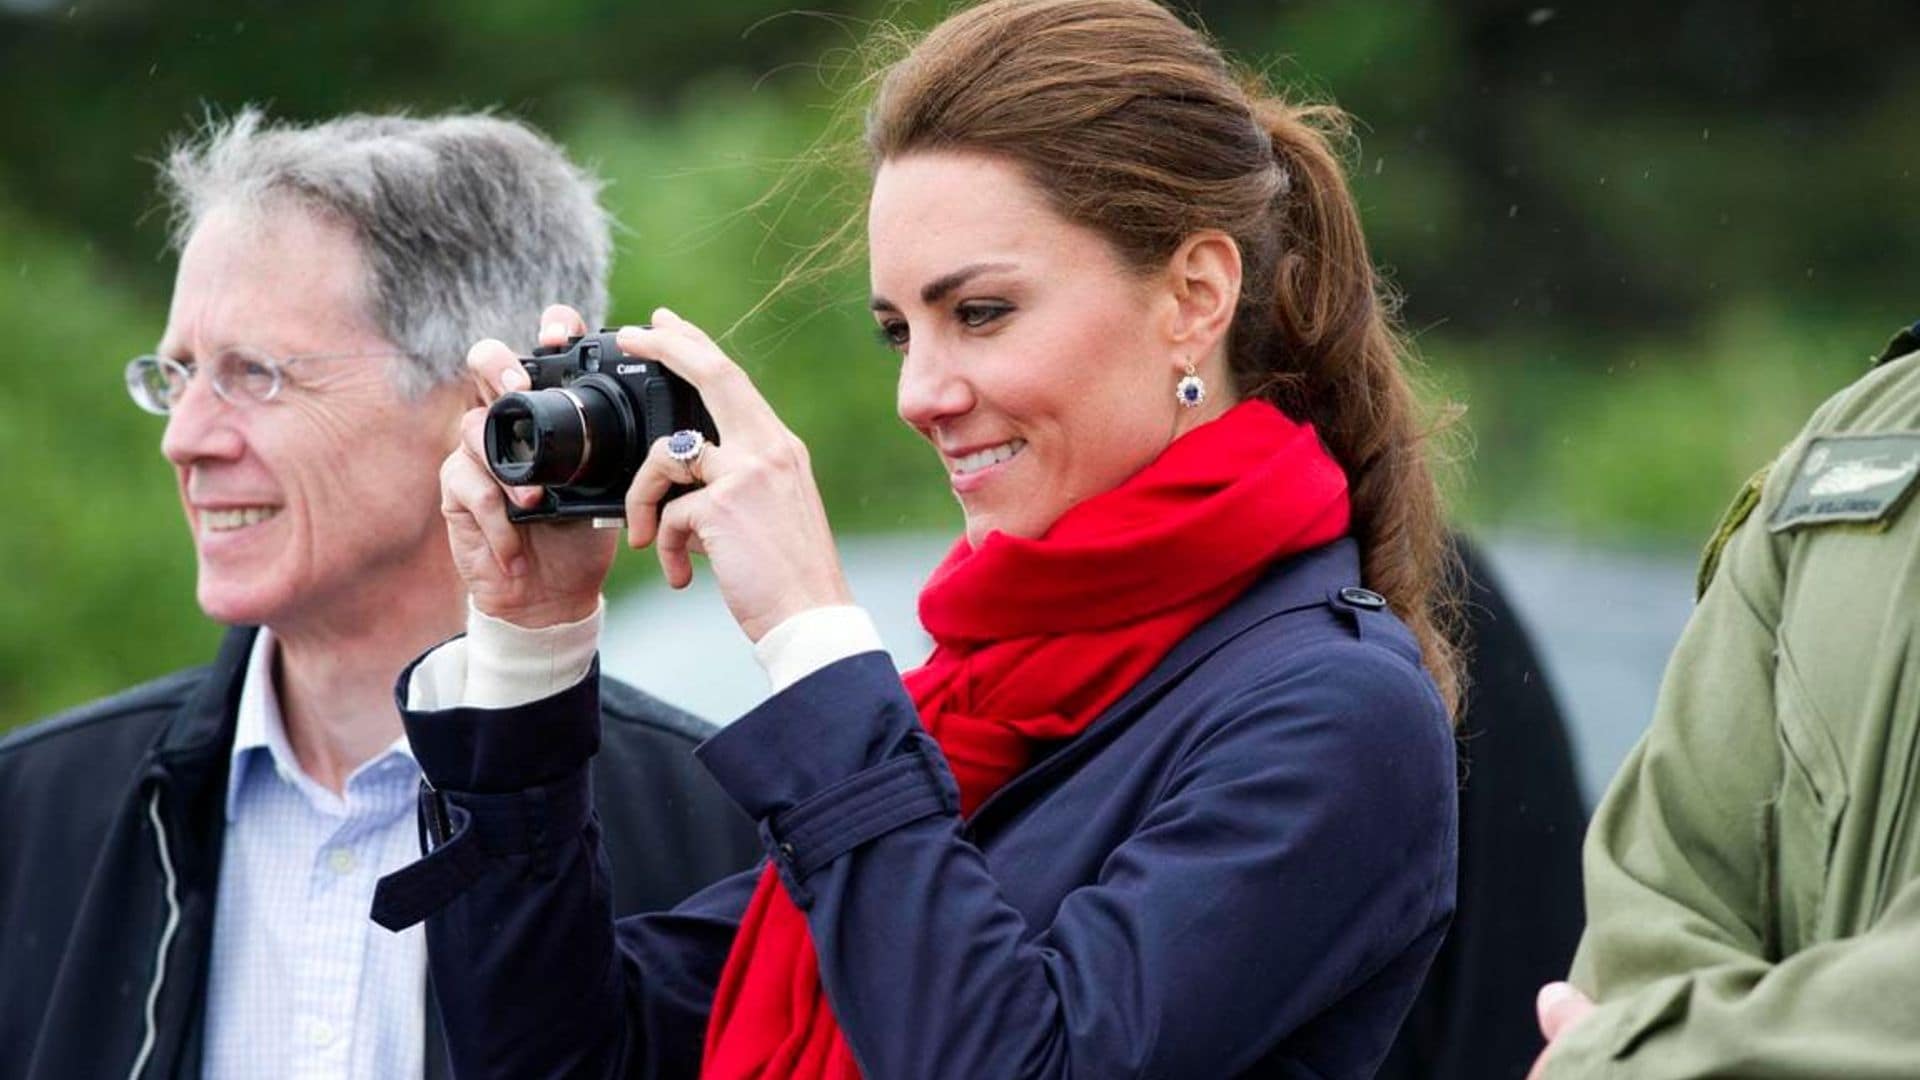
{"x": 1136, "y": 126}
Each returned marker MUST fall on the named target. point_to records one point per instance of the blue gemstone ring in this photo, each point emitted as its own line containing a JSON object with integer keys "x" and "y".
{"x": 686, "y": 446}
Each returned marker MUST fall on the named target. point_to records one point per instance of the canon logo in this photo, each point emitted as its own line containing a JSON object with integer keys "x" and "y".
{"x": 630, "y": 369}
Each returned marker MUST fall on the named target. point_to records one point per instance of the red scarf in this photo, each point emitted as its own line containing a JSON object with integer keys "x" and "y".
{"x": 1034, "y": 639}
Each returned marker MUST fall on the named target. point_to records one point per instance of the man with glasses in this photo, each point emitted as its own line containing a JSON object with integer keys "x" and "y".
{"x": 186, "y": 868}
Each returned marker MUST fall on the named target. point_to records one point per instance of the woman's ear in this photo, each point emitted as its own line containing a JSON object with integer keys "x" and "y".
{"x": 1204, "y": 278}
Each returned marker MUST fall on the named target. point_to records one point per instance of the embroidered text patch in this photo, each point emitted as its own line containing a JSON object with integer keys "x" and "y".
{"x": 1850, "y": 478}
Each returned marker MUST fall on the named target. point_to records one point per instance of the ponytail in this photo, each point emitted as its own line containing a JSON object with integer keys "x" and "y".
{"x": 1334, "y": 356}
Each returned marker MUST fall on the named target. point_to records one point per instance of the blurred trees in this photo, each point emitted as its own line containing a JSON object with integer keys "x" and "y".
{"x": 1639, "y": 240}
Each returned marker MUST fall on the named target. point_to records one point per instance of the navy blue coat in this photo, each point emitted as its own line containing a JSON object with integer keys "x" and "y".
{"x": 1243, "y": 867}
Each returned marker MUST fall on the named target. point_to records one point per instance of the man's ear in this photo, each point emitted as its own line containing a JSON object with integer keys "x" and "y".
{"x": 1204, "y": 278}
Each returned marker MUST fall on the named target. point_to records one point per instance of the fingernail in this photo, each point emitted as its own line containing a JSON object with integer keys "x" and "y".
{"x": 516, "y": 378}
{"x": 554, "y": 330}
{"x": 1551, "y": 995}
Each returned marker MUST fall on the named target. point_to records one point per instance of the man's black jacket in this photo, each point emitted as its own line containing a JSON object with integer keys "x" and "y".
{"x": 111, "y": 820}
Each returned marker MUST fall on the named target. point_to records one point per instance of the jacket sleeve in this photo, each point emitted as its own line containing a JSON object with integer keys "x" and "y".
{"x": 532, "y": 975}
{"x": 1302, "y": 847}
{"x": 1839, "y": 1008}
{"x": 1681, "y": 950}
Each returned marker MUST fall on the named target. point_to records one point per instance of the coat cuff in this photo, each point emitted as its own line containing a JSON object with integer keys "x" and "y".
{"x": 513, "y": 782}
{"x": 833, "y": 762}
{"x": 499, "y": 751}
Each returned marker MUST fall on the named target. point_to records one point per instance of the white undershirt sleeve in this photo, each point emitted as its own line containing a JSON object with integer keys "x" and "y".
{"x": 498, "y": 665}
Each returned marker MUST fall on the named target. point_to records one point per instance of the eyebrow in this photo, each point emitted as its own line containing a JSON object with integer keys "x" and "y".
{"x": 933, "y": 291}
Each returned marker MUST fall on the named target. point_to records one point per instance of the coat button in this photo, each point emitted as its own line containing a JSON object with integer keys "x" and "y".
{"x": 1363, "y": 598}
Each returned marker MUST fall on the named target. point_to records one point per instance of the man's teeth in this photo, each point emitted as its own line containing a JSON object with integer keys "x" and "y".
{"x": 992, "y": 455}
{"x": 223, "y": 520}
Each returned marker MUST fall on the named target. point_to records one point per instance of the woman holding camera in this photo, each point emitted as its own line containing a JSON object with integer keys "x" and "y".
{"x": 1174, "y": 794}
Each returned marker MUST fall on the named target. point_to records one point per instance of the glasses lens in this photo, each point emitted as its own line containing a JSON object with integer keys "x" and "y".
{"x": 246, "y": 375}
{"x": 155, "y": 383}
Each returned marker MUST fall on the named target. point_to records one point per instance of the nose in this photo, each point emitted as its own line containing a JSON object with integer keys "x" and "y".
{"x": 932, "y": 391}
{"x": 201, "y": 426}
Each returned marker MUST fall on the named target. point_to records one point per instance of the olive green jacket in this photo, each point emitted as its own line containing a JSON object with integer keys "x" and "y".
{"x": 1753, "y": 873}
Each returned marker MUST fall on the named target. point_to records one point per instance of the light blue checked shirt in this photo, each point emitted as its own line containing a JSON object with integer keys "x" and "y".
{"x": 303, "y": 984}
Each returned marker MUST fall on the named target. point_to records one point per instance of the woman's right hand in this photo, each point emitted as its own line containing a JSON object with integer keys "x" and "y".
{"x": 535, "y": 574}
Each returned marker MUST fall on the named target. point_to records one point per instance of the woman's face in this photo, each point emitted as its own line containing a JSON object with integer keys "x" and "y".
{"x": 1038, "y": 364}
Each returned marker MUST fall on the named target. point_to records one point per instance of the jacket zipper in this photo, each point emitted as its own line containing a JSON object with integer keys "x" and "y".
{"x": 166, "y": 939}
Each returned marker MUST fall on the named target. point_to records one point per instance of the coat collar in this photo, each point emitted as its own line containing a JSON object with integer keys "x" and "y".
{"x": 1306, "y": 580}
{"x": 203, "y": 727}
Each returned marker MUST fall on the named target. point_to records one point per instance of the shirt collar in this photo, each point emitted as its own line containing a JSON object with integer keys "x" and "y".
{"x": 259, "y": 726}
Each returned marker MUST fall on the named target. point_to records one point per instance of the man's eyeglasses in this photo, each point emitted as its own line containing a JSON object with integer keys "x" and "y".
{"x": 241, "y": 376}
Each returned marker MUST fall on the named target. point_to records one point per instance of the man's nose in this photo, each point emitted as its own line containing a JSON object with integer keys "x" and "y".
{"x": 200, "y": 426}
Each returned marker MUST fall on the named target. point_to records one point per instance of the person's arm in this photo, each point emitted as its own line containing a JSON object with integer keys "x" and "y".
{"x": 1301, "y": 851}
{"x": 1675, "y": 854}
{"x": 518, "y": 907}
{"x": 1680, "y": 951}
{"x": 1842, "y": 1008}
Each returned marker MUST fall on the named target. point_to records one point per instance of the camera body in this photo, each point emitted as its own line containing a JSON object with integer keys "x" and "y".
{"x": 583, "y": 427}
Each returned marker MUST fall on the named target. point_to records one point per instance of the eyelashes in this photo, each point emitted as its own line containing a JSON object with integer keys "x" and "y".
{"x": 973, "y": 315}
{"x": 892, "y": 333}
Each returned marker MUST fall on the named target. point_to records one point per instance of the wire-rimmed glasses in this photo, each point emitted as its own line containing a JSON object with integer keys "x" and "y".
{"x": 240, "y": 375}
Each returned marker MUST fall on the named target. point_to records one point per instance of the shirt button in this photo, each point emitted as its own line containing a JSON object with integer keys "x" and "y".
{"x": 341, "y": 860}
{"x": 320, "y": 1033}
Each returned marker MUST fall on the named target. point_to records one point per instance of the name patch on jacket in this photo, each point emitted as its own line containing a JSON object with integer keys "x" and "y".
{"x": 1849, "y": 478}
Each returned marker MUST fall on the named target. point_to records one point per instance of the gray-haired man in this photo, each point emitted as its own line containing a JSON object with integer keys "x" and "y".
{"x": 186, "y": 868}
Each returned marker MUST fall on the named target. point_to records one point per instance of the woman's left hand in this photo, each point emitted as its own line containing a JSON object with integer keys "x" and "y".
{"x": 757, "y": 514}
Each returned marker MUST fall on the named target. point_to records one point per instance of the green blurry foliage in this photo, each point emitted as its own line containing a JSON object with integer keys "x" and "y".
{"x": 1644, "y": 438}
{"x": 98, "y": 588}
{"x": 1638, "y": 268}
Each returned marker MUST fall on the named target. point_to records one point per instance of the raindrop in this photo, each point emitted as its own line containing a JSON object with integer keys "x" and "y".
{"x": 1705, "y": 134}
{"x": 1540, "y": 16}
{"x": 1513, "y": 210}
{"x": 1378, "y": 164}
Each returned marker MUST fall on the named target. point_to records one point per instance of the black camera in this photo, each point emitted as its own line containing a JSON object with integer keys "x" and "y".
{"x": 583, "y": 428}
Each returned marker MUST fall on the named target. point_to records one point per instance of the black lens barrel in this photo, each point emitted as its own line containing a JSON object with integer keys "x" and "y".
{"x": 550, "y": 437}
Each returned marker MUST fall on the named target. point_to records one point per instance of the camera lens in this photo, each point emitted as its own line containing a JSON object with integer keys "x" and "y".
{"x": 548, "y": 437}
